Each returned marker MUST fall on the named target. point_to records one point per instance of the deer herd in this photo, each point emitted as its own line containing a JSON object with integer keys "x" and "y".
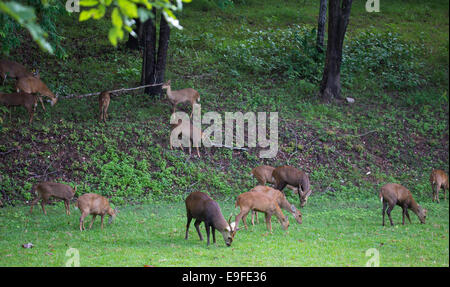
{"x": 199, "y": 205}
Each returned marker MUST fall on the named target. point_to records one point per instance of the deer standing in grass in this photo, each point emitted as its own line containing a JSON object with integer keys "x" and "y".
{"x": 28, "y": 101}
{"x": 34, "y": 85}
{"x": 203, "y": 208}
{"x": 187, "y": 95}
{"x": 14, "y": 70}
{"x": 45, "y": 190}
{"x": 392, "y": 194}
{"x": 103, "y": 100}
{"x": 259, "y": 201}
{"x": 438, "y": 180}
{"x": 95, "y": 204}
{"x": 281, "y": 201}
{"x": 285, "y": 175}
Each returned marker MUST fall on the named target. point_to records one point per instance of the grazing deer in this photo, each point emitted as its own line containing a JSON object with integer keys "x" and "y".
{"x": 14, "y": 70}
{"x": 188, "y": 95}
{"x": 281, "y": 201}
{"x": 188, "y": 130}
{"x": 29, "y": 101}
{"x": 392, "y": 194}
{"x": 285, "y": 175}
{"x": 95, "y": 204}
{"x": 263, "y": 175}
{"x": 204, "y": 209}
{"x": 103, "y": 100}
{"x": 259, "y": 201}
{"x": 438, "y": 180}
{"x": 45, "y": 190}
{"x": 34, "y": 85}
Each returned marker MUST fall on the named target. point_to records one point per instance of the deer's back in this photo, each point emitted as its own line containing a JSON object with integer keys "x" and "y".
{"x": 93, "y": 203}
{"x": 200, "y": 205}
{"x": 396, "y": 193}
{"x": 13, "y": 69}
{"x": 58, "y": 190}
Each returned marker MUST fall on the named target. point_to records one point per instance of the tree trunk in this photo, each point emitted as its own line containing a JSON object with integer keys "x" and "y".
{"x": 135, "y": 43}
{"x": 149, "y": 56}
{"x": 163, "y": 45}
{"x": 321, "y": 25}
{"x": 338, "y": 16}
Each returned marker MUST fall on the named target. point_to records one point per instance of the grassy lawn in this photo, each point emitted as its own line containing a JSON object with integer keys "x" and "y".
{"x": 333, "y": 233}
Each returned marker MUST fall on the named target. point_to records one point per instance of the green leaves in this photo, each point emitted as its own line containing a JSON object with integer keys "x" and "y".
{"x": 26, "y": 17}
{"x": 125, "y": 11}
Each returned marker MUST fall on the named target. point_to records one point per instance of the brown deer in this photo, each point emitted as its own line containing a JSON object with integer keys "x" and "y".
{"x": 187, "y": 130}
{"x": 263, "y": 175}
{"x": 285, "y": 175}
{"x": 204, "y": 209}
{"x": 45, "y": 190}
{"x": 188, "y": 95}
{"x": 95, "y": 204}
{"x": 14, "y": 70}
{"x": 392, "y": 194}
{"x": 34, "y": 85}
{"x": 259, "y": 201}
{"x": 103, "y": 100}
{"x": 438, "y": 180}
{"x": 29, "y": 101}
{"x": 281, "y": 201}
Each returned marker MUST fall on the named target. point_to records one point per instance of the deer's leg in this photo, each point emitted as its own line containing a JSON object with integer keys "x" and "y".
{"x": 391, "y": 206}
{"x": 407, "y": 215}
{"x": 268, "y": 221}
{"x": 207, "y": 226}
{"x": 253, "y": 217}
{"x": 43, "y": 202}
{"x": 445, "y": 193}
{"x": 239, "y": 216}
{"x": 67, "y": 204}
{"x": 403, "y": 214}
{"x": 189, "y": 219}
{"x": 34, "y": 202}
{"x": 42, "y": 103}
{"x": 213, "y": 230}
{"x": 384, "y": 210}
{"x": 437, "y": 192}
{"x": 92, "y": 221}
{"x": 197, "y": 227}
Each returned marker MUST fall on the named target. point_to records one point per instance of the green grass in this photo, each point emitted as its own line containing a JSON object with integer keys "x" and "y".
{"x": 333, "y": 233}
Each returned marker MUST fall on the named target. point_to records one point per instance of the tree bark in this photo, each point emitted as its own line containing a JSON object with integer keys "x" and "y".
{"x": 163, "y": 46}
{"x": 338, "y": 17}
{"x": 149, "y": 56}
{"x": 321, "y": 25}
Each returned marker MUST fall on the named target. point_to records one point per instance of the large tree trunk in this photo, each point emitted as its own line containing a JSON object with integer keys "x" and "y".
{"x": 338, "y": 16}
{"x": 163, "y": 45}
{"x": 149, "y": 56}
{"x": 321, "y": 25}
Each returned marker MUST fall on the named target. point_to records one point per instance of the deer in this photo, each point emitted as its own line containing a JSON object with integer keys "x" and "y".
{"x": 95, "y": 204}
{"x": 29, "y": 101}
{"x": 204, "y": 209}
{"x": 281, "y": 201}
{"x": 259, "y": 201}
{"x": 392, "y": 194}
{"x": 103, "y": 100}
{"x": 285, "y": 175}
{"x": 14, "y": 70}
{"x": 187, "y": 95}
{"x": 34, "y": 85}
{"x": 438, "y": 180}
{"x": 188, "y": 130}
{"x": 45, "y": 190}
{"x": 263, "y": 175}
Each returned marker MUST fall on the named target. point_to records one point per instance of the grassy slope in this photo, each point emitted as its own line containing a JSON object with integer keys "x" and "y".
{"x": 129, "y": 155}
